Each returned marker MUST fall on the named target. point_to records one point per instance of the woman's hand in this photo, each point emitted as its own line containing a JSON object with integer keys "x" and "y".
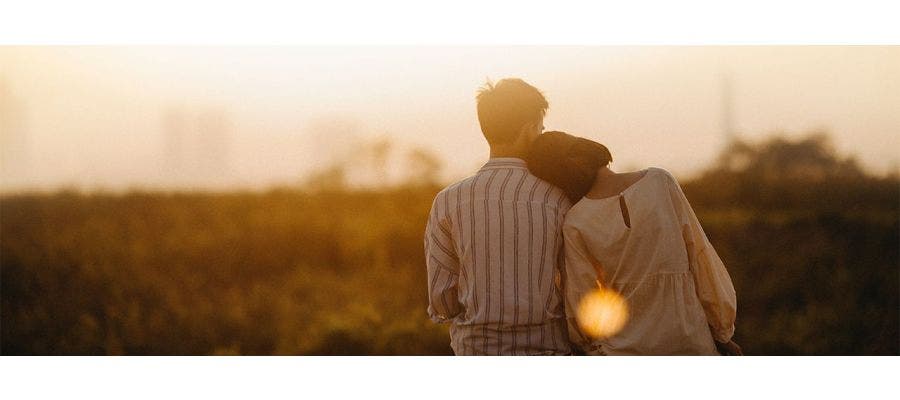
{"x": 729, "y": 349}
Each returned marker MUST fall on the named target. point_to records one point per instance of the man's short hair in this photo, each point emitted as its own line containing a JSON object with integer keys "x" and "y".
{"x": 505, "y": 107}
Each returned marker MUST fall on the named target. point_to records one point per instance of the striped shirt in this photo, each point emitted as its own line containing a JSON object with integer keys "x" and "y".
{"x": 493, "y": 250}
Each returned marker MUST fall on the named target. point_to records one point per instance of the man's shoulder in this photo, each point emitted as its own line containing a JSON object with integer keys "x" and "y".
{"x": 554, "y": 191}
{"x": 455, "y": 187}
{"x": 449, "y": 195}
{"x": 530, "y": 188}
{"x": 546, "y": 192}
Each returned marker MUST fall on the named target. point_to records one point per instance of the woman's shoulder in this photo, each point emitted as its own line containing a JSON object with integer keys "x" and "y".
{"x": 659, "y": 171}
{"x": 662, "y": 175}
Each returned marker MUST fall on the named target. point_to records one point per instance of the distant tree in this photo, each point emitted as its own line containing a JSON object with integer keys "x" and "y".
{"x": 332, "y": 178}
{"x": 424, "y": 167}
{"x": 810, "y": 159}
{"x": 375, "y": 157}
{"x": 784, "y": 173}
{"x": 378, "y": 163}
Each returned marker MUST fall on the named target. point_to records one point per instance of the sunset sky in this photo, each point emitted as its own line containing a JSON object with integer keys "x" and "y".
{"x": 96, "y": 117}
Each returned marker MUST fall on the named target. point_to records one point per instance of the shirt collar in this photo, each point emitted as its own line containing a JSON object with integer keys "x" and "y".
{"x": 504, "y": 163}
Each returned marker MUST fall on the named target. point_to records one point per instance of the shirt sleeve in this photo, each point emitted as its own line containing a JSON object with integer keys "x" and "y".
{"x": 713, "y": 284}
{"x": 579, "y": 279}
{"x": 442, "y": 264}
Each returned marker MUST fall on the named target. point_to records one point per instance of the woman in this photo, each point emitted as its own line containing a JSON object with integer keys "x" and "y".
{"x": 635, "y": 233}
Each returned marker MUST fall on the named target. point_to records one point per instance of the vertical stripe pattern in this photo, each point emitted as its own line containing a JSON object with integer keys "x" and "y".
{"x": 492, "y": 246}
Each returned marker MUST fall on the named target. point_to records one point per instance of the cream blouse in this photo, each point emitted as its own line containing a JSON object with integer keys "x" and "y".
{"x": 679, "y": 295}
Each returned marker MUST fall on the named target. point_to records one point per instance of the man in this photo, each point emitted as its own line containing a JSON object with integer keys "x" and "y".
{"x": 493, "y": 241}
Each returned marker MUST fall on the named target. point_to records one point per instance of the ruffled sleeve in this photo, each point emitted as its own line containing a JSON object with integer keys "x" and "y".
{"x": 713, "y": 284}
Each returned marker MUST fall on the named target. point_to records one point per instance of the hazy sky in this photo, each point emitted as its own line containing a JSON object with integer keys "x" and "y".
{"x": 96, "y": 117}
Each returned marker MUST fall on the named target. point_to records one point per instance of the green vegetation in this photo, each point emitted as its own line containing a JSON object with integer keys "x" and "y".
{"x": 811, "y": 243}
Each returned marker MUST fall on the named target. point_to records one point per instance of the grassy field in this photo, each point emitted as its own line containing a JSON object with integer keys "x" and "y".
{"x": 342, "y": 271}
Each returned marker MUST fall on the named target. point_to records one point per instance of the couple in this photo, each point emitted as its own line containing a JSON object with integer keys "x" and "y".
{"x": 512, "y": 251}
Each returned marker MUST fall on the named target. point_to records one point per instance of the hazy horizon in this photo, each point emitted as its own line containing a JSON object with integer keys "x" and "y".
{"x": 254, "y": 117}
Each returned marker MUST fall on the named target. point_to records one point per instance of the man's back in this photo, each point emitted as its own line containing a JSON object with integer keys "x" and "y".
{"x": 493, "y": 247}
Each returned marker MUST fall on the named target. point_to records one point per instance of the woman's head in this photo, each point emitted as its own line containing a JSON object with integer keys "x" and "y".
{"x": 568, "y": 162}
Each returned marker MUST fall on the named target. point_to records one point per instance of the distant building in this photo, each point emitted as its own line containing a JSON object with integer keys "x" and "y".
{"x": 175, "y": 127}
{"x": 196, "y": 147}
{"x": 213, "y": 128}
{"x": 727, "y": 109}
{"x": 14, "y": 144}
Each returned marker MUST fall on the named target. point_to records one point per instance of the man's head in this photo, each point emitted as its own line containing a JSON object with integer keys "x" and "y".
{"x": 511, "y": 111}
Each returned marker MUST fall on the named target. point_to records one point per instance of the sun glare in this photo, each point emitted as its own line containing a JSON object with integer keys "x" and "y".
{"x": 602, "y": 313}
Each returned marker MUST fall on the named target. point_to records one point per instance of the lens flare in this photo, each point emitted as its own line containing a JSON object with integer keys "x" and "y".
{"x": 602, "y": 313}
